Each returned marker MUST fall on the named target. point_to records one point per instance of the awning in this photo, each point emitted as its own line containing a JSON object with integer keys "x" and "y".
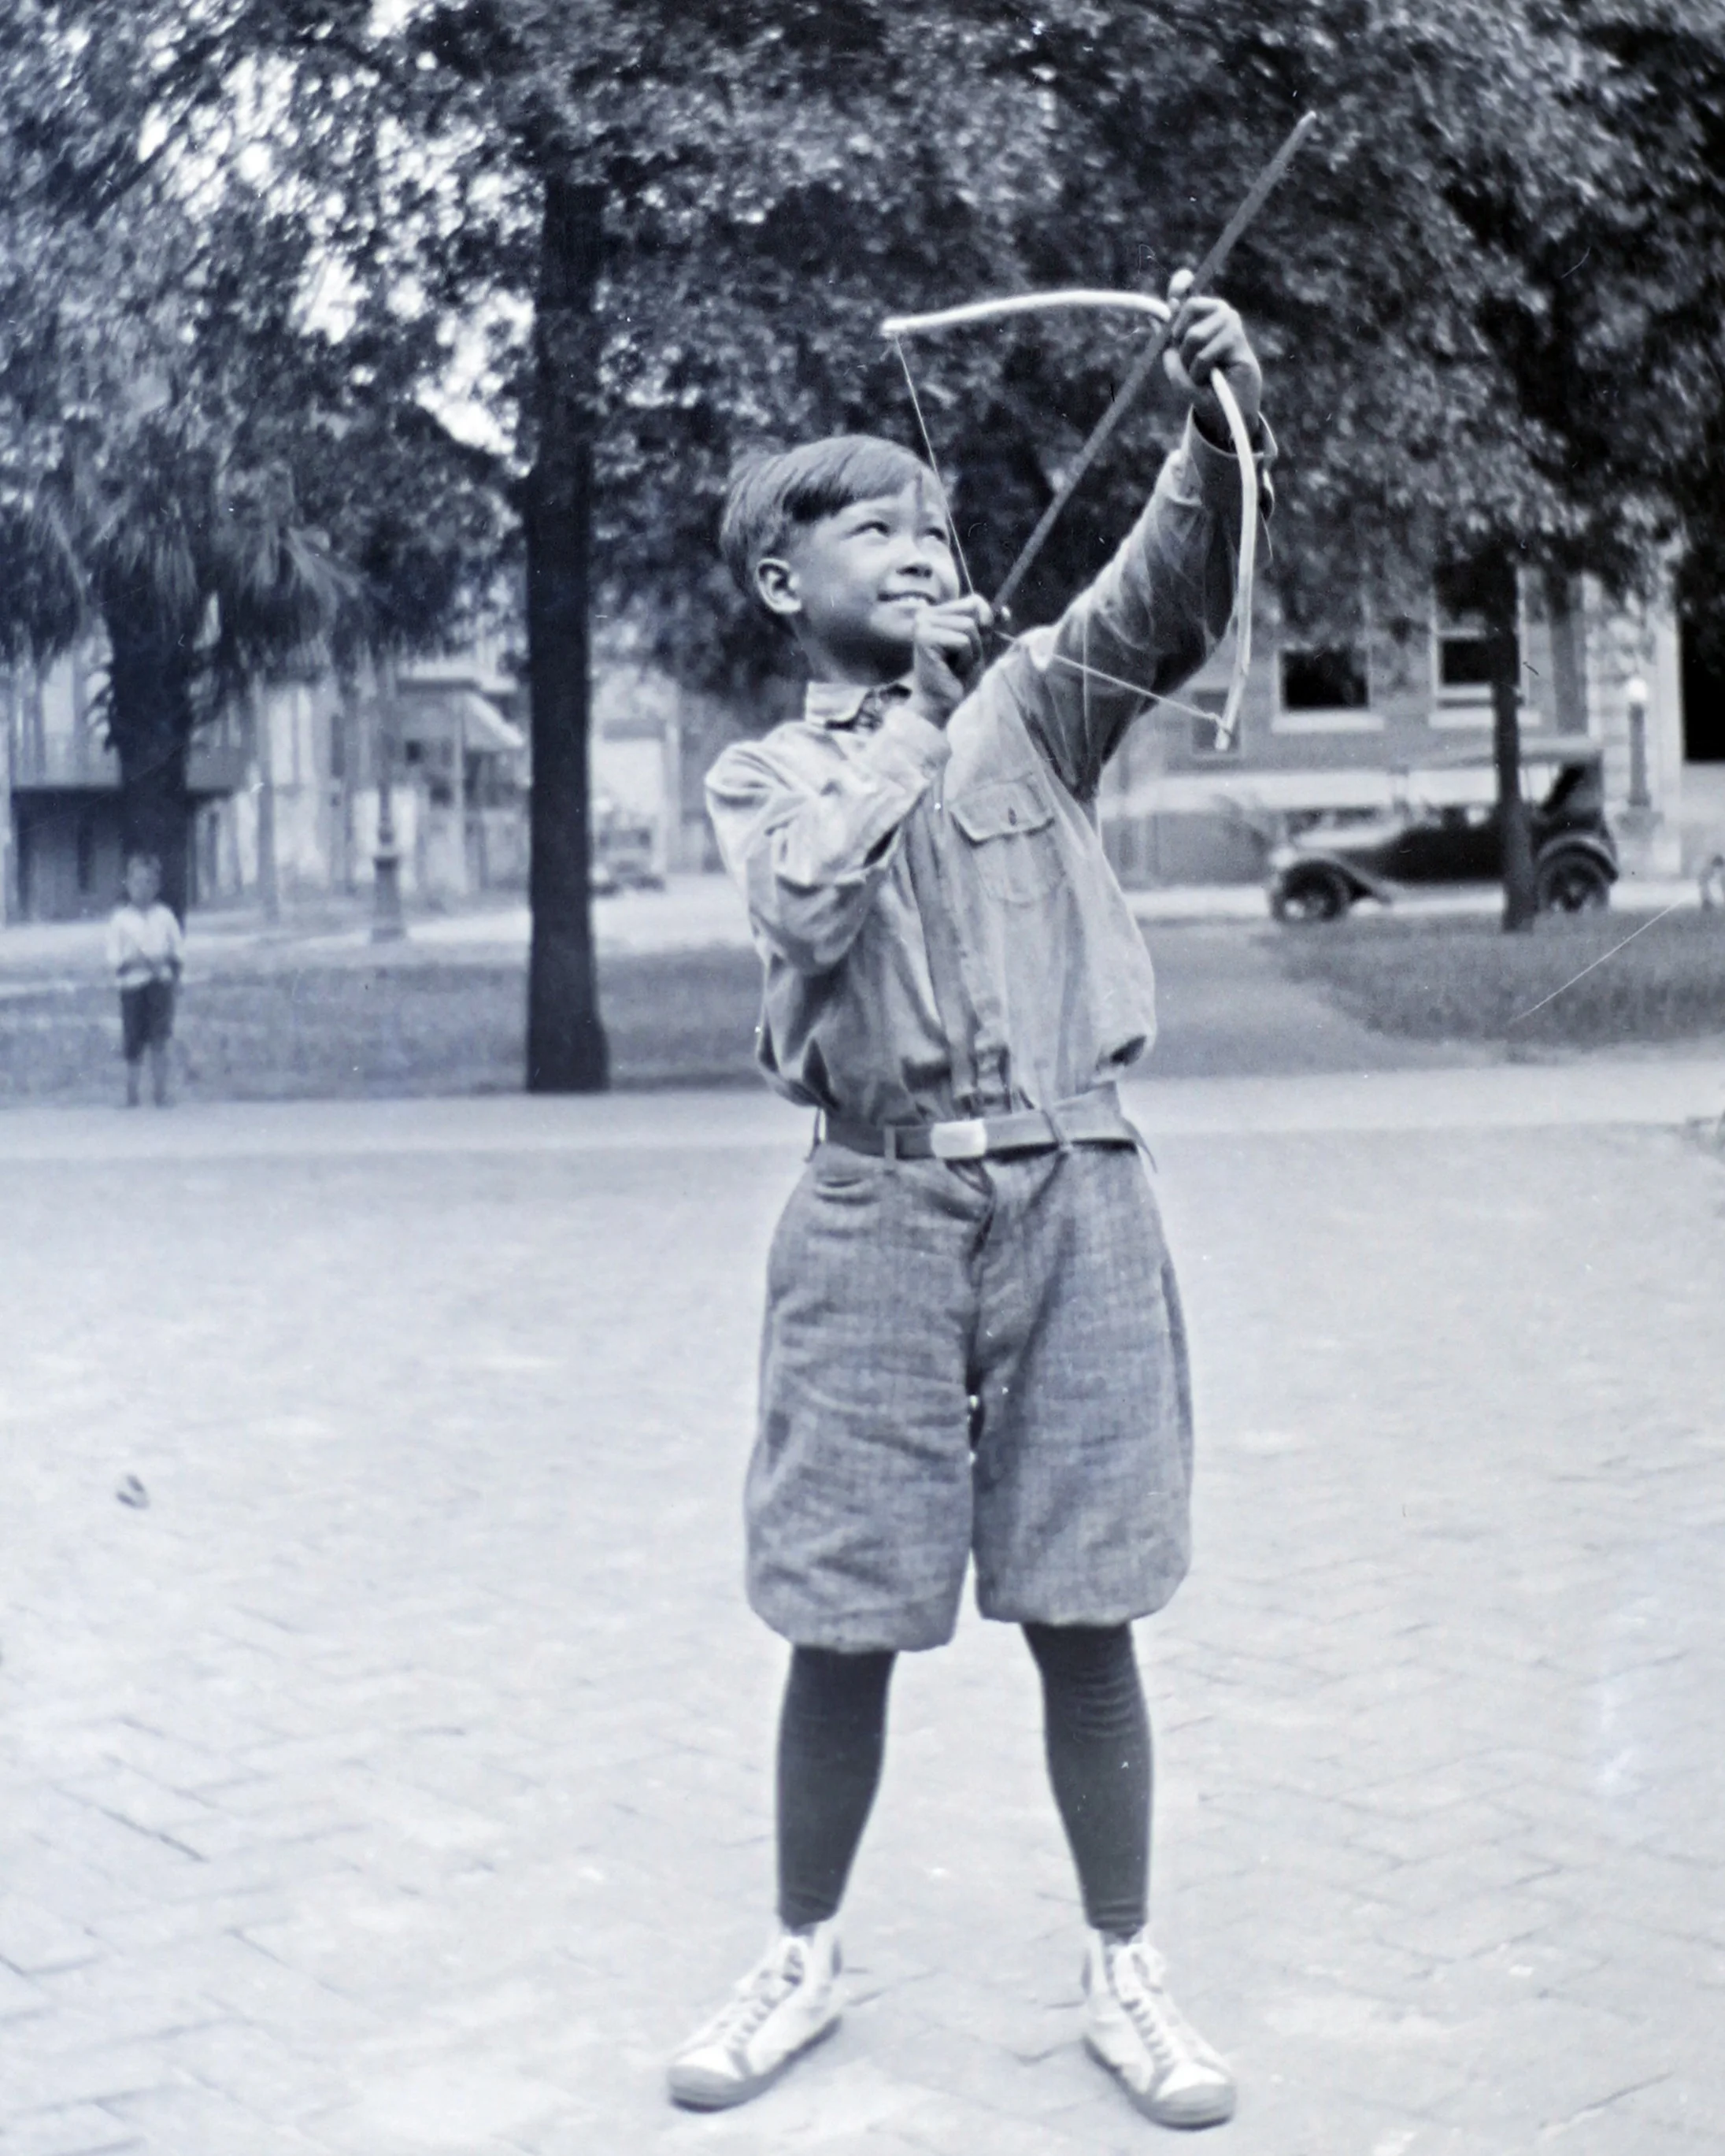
{"x": 442, "y": 714}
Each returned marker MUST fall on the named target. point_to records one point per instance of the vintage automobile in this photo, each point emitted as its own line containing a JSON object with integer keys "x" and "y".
{"x": 1424, "y": 840}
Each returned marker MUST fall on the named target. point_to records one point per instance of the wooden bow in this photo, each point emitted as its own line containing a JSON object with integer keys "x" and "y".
{"x": 898, "y": 326}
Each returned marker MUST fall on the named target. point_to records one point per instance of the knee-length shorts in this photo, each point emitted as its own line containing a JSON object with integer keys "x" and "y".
{"x": 980, "y": 1359}
{"x": 147, "y": 1018}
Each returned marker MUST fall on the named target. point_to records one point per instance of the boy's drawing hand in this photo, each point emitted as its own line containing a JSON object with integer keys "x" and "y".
{"x": 1206, "y": 334}
{"x": 946, "y": 656}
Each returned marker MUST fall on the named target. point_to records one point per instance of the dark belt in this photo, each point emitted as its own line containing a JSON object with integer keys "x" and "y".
{"x": 1087, "y": 1119}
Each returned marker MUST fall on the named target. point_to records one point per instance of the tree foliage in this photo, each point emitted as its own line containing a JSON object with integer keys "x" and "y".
{"x": 1657, "y": 70}
{"x": 188, "y": 467}
{"x": 1488, "y": 295}
{"x": 1488, "y": 292}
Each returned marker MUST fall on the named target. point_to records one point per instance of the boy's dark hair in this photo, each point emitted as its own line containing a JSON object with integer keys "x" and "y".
{"x": 137, "y": 857}
{"x": 770, "y": 494}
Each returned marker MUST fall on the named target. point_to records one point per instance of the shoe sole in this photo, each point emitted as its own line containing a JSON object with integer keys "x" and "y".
{"x": 696, "y": 2092}
{"x": 1188, "y": 2114}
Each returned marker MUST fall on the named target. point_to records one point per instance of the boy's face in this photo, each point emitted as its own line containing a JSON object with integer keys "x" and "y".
{"x": 143, "y": 880}
{"x": 852, "y": 585}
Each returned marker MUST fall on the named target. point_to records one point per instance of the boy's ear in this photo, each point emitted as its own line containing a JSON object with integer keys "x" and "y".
{"x": 776, "y": 586}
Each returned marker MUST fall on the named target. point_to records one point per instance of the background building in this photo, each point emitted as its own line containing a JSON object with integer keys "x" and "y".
{"x": 1350, "y": 726}
{"x": 286, "y": 791}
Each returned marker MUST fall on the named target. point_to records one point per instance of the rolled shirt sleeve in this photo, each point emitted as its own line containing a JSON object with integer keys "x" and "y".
{"x": 1148, "y": 621}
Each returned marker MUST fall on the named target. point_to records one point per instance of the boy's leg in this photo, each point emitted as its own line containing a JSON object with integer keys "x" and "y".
{"x": 1099, "y": 1761}
{"x": 1096, "y": 1731}
{"x": 859, "y": 1504}
{"x": 133, "y": 1040}
{"x": 831, "y": 1736}
{"x": 161, "y": 1008}
{"x": 1083, "y": 1473}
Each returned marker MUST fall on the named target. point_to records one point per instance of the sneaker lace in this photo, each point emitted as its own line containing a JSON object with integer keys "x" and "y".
{"x": 760, "y": 1991}
{"x": 1168, "y": 2036}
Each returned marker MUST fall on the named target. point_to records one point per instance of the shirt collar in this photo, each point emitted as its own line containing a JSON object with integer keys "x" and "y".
{"x": 836, "y": 704}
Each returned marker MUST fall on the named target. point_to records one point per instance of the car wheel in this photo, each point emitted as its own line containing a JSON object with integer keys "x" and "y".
{"x": 1312, "y": 895}
{"x": 1572, "y": 882}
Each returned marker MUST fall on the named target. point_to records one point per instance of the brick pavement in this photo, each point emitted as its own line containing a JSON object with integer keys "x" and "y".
{"x": 396, "y": 1781}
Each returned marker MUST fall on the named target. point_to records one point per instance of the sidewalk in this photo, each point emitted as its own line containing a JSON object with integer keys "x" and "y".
{"x": 1647, "y": 1091}
{"x": 396, "y": 1778}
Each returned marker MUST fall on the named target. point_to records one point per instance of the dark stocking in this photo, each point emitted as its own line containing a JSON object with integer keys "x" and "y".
{"x": 832, "y": 1732}
{"x": 1097, "y": 1734}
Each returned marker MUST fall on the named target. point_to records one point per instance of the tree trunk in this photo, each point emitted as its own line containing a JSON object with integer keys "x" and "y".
{"x": 1520, "y": 904}
{"x": 566, "y": 1041}
{"x": 9, "y": 895}
{"x": 151, "y": 728}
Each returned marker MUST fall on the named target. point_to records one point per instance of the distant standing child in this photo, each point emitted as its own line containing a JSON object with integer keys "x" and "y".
{"x": 146, "y": 948}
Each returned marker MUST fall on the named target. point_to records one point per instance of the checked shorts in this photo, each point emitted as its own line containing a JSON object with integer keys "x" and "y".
{"x": 966, "y": 1359}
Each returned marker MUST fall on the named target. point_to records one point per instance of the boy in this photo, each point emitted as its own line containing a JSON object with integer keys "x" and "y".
{"x": 146, "y": 949}
{"x": 973, "y": 1345}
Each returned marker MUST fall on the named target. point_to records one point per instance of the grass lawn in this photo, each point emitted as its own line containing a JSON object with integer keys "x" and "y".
{"x": 352, "y": 1026}
{"x": 1462, "y": 979}
{"x": 286, "y": 1023}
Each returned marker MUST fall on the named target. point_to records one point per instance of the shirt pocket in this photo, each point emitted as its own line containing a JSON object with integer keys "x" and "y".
{"x": 1009, "y": 823}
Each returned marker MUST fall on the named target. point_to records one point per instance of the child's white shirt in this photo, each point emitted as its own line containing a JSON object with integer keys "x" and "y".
{"x": 145, "y": 944}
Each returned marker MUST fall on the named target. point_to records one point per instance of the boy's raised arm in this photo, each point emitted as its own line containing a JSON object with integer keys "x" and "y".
{"x": 1149, "y": 620}
{"x": 1162, "y": 605}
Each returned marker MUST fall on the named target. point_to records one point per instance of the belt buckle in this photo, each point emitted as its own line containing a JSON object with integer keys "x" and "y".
{"x": 959, "y": 1140}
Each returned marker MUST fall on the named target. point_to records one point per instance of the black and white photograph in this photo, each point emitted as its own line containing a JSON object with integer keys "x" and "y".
{"x": 862, "y": 1077}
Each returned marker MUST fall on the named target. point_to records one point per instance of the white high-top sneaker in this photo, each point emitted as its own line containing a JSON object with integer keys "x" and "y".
{"x": 1139, "y": 2034}
{"x": 787, "y": 2003}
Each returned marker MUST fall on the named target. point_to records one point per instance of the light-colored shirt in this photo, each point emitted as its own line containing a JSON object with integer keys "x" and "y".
{"x": 145, "y": 944}
{"x": 940, "y": 930}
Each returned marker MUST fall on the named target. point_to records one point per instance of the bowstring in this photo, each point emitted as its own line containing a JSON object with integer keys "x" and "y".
{"x": 1212, "y": 719}
{"x": 1136, "y": 688}
{"x": 928, "y": 451}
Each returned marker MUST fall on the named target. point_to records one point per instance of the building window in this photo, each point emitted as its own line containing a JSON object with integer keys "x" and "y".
{"x": 1464, "y": 665}
{"x": 1464, "y": 671}
{"x": 1324, "y": 689}
{"x": 1329, "y": 678}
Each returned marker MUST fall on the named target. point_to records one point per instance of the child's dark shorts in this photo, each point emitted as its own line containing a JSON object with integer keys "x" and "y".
{"x": 982, "y": 1359}
{"x": 147, "y": 1018}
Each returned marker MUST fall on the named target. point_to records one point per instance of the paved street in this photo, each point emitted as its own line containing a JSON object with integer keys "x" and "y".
{"x": 390, "y": 1774}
